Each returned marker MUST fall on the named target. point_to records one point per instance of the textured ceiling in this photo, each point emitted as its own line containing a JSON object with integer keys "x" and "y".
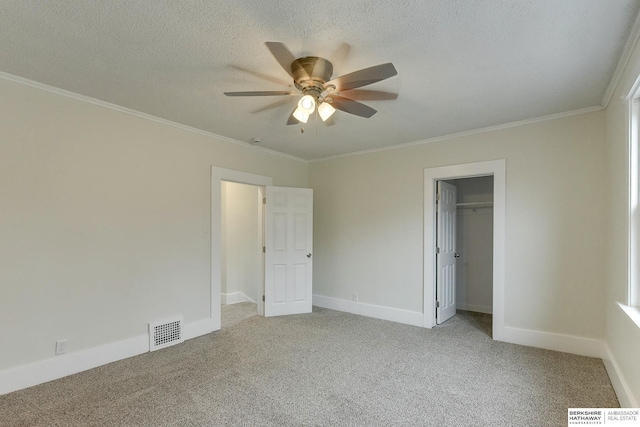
{"x": 462, "y": 65}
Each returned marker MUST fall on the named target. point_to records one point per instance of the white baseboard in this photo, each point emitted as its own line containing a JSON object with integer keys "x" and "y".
{"x": 35, "y": 373}
{"x": 476, "y": 308}
{"x": 622, "y": 389}
{"x": 369, "y": 310}
{"x": 550, "y": 341}
{"x": 234, "y": 298}
{"x": 558, "y": 342}
{"x": 198, "y": 328}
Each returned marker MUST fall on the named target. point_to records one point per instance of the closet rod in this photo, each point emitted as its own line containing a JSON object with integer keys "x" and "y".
{"x": 472, "y": 205}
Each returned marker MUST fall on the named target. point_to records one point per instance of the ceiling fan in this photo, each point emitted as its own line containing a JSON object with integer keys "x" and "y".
{"x": 312, "y": 76}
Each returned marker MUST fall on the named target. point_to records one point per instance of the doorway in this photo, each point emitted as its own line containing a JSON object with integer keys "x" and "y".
{"x": 218, "y": 176}
{"x": 242, "y": 242}
{"x": 496, "y": 169}
{"x": 287, "y": 247}
{"x": 472, "y": 235}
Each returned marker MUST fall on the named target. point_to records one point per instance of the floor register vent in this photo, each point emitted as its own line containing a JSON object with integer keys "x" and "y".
{"x": 165, "y": 333}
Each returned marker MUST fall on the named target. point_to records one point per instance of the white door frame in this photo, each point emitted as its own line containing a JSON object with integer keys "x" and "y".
{"x": 496, "y": 168}
{"x": 218, "y": 175}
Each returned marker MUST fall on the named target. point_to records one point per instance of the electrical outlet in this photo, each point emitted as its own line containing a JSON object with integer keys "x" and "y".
{"x": 61, "y": 347}
{"x": 354, "y": 297}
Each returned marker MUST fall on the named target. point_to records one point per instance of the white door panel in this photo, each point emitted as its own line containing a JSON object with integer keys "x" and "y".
{"x": 288, "y": 245}
{"x": 446, "y": 252}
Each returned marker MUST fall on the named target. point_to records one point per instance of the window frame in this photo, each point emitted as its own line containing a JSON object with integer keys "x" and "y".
{"x": 632, "y": 304}
{"x": 633, "y": 288}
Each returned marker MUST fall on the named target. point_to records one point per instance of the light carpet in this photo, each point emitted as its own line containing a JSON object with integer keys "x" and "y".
{"x": 326, "y": 368}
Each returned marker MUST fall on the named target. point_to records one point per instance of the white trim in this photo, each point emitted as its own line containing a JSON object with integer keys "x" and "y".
{"x": 581, "y": 346}
{"x": 35, "y": 373}
{"x": 632, "y": 92}
{"x": 198, "y": 328}
{"x": 261, "y": 217}
{"x": 413, "y": 318}
{"x": 497, "y": 168}
{"x": 620, "y": 385}
{"x": 476, "y": 308}
{"x": 139, "y": 114}
{"x": 633, "y": 218}
{"x": 625, "y": 57}
{"x": 557, "y": 342}
{"x": 632, "y": 312}
{"x": 217, "y": 176}
{"x": 466, "y": 133}
{"x": 234, "y": 298}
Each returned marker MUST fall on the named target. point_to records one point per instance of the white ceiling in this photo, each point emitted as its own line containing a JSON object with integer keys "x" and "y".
{"x": 462, "y": 65}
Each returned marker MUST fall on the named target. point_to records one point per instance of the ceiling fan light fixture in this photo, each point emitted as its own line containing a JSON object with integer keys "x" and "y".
{"x": 307, "y": 104}
{"x": 300, "y": 115}
{"x": 325, "y": 110}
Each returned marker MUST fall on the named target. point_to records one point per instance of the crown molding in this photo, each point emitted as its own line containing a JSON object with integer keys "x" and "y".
{"x": 145, "y": 116}
{"x": 139, "y": 114}
{"x": 625, "y": 57}
{"x": 467, "y": 133}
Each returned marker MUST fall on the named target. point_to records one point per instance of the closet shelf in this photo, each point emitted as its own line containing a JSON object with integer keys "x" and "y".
{"x": 474, "y": 205}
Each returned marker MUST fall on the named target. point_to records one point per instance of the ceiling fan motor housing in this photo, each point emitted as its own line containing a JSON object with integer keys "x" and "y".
{"x": 310, "y": 74}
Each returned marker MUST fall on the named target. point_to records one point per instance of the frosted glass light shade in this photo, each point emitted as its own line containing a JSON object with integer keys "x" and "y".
{"x": 325, "y": 110}
{"x": 300, "y": 115}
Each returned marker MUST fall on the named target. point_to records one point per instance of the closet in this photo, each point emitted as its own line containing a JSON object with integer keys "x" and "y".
{"x": 474, "y": 243}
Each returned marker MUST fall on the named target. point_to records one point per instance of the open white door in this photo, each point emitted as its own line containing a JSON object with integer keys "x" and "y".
{"x": 288, "y": 249}
{"x": 446, "y": 252}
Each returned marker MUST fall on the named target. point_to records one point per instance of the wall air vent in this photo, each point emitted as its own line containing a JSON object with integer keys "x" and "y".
{"x": 165, "y": 333}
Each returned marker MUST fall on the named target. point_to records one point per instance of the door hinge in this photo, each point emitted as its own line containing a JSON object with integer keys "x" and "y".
{"x": 264, "y": 250}
{"x": 263, "y": 298}
{"x": 437, "y": 251}
{"x": 437, "y": 196}
{"x": 437, "y": 304}
{"x": 264, "y": 200}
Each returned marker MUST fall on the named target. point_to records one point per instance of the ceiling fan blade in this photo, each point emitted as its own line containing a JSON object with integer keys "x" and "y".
{"x": 282, "y": 55}
{"x": 261, "y": 93}
{"x": 274, "y": 105}
{"x": 369, "y": 95}
{"x": 364, "y": 77}
{"x": 352, "y": 107}
{"x": 263, "y": 76}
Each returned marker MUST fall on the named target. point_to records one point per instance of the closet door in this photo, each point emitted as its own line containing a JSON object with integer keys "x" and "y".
{"x": 446, "y": 252}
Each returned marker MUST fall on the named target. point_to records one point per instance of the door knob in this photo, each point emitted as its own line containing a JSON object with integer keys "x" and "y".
{"x": 457, "y": 255}
{"x": 309, "y": 255}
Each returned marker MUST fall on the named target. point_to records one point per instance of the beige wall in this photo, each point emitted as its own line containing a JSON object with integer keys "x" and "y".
{"x": 105, "y": 221}
{"x": 622, "y": 336}
{"x": 241, "y": 243}
{"x": 369, "y": 222}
